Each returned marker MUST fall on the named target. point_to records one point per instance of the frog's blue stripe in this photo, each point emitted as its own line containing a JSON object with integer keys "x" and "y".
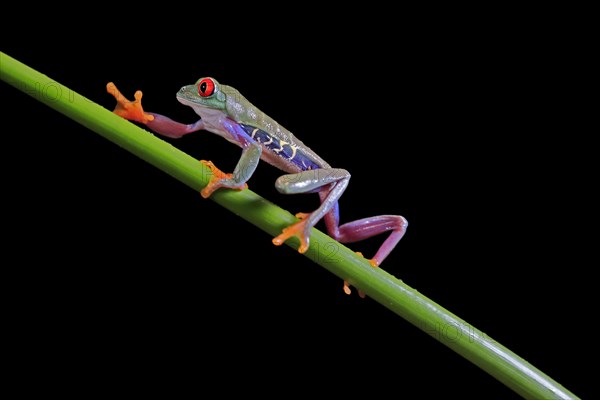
{"x": 283, "y": 149}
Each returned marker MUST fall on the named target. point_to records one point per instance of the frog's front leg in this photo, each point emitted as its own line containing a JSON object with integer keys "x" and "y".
{"x": 133, "y": 111}
{"x": 333, "y": 181}
{"x": 245, "y": 167}
{"x": 251, "y": 151}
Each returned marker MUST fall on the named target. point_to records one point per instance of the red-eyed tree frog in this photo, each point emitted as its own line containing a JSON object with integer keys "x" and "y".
{"x": 225, "y": 112}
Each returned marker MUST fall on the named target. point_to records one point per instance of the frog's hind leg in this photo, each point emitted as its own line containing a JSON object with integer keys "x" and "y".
{"x": 332, "y": 181}
{"x": 364, "y": 228}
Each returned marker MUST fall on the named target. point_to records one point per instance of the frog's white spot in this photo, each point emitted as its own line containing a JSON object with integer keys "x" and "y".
{"x": 238, "y": 107}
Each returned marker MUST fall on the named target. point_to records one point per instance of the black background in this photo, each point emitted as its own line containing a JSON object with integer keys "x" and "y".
{"x": 118, "y": 263}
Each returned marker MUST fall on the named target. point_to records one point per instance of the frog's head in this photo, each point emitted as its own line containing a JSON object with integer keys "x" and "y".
{"x": 205, "y": 93}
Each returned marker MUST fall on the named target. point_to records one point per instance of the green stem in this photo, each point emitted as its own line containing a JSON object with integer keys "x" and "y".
{"x": 433, "y": 319}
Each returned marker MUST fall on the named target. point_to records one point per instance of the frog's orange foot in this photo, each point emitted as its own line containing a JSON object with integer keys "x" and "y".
{"x": 131, "y": 110}
{"x": 218, "y": 180}
{"x": 372, "y": 261}
{"x": 298, "y": 229}
{"x": 348, "y": 291}
{"x": 215, "y": 171}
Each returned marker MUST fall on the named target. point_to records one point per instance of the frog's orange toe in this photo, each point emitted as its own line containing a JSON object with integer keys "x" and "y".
{"x": 347, "y": 288}
{"x": 297, "y": 229}
{"x": 208, "y": 190}
{"x": 302, "y": 215}
{"x": 131, "y": 110}
{"x": 348, "y": 291}
{"x": 372, "y": 261}
{"x": 216, "y": 181}
{"x": 214, "y": 169}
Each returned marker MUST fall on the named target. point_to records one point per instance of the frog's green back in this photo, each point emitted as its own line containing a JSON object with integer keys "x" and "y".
{"x": 244, "y": 112}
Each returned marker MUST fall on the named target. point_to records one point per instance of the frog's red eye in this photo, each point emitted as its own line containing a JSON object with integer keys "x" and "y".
{"x": 206, "y": 87}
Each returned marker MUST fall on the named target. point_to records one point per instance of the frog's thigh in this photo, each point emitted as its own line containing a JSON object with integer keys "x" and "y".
{"x": 308, "y": 181}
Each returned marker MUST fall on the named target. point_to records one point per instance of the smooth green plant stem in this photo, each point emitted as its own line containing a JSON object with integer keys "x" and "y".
{"x": 466, "y": 340}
